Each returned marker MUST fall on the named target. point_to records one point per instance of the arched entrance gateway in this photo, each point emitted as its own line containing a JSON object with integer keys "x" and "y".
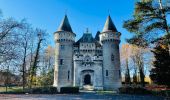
{"x": 87, "y": 79}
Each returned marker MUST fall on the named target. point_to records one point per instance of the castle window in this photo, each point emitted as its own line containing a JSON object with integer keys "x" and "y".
{"x": 112, "y": 57}
{"x": 68, "y": 77}
{"x": 62, "y": 47}
{"x": 61, "y": 61}
{"x": 107, "y": 73}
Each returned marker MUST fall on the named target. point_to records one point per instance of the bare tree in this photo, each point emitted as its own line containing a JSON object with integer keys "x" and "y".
{"x": 136, "y": 61}
{"x": 40, "y": 37}
{"x": 26, "y": 37}
{"x": 140, "y": 57}
{"x": 125, "y": 54}
{"x": 9, "y": 39}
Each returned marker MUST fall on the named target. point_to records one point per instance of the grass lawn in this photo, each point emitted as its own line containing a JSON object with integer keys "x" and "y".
{"x": 106, "y": 92}
{"x": 11, "y": 89}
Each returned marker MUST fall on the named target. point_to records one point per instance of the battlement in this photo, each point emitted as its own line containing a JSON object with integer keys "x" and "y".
{"x": 63, "y": 36}
{"x": 109, "y": 35}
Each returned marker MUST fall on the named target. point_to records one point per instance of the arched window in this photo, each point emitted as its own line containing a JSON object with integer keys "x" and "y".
{"x": 112, "y": 57}
{"x": 61, "y": 61}
{"x": 107, "y": 73}
{"x": 62, "y": 47}
{"x": 68, "y": 77}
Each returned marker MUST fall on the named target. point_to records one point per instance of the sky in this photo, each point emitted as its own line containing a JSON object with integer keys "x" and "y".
{"x": 82, "y": 14}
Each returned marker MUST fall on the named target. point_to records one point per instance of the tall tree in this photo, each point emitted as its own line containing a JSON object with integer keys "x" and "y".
{"x": 26, "y": 36}
{"x": 125, "y": 54}
{"x": 138, "y": 59}
{"x": 40, "y": 37}
{"x": 9, "y": 40}
{"x": 149, "y": 22}
{"x": 161, "y": 71}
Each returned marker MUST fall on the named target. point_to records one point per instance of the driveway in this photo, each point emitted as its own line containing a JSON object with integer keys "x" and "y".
{"x": 81, "y": 96}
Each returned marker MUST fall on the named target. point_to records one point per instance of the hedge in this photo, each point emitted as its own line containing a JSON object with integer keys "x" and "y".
{"x": 69, "y": 90}
{"x": 134, "y": 90}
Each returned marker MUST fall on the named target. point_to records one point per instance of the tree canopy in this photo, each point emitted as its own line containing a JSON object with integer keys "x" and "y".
{"x": 148, "y": 23}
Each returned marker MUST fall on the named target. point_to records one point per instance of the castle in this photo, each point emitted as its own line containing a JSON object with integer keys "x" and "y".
{"x": 89, "y": 62}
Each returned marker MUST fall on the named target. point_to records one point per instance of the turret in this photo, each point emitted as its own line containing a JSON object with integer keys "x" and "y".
{"x": 110, "y": 39}
{"x": 64, "y": 39}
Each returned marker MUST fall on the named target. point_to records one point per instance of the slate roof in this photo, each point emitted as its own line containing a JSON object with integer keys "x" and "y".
{"x": 97, "y": 35}
{"x": 87, "y": 38}
{"x": 109, "y": 26}
{"x": 65, "y": 25}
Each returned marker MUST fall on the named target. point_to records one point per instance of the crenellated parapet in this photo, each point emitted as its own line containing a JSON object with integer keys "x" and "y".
{"x": 110, "y": 36}
{"x": 63, "y": 36}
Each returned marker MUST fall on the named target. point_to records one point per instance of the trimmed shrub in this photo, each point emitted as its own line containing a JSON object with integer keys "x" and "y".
{"x": 134, "y": 90}
{"x": 44, "y": 90}
{"x": 69, "y": 90}
{"x": 53, "y": 90}
{"x": 36, "y": 90}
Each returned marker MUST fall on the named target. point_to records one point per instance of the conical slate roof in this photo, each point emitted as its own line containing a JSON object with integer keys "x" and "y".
{"x": 65, "y": 25}
{"x": 109, "y": 26}
{"x": 97, "y": 35}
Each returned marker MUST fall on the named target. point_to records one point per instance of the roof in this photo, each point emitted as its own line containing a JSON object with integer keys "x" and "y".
{"x": 87, "y": 38}
{"x": 97, "y": 36}
{"x": 109, "y": 26}
{"x": 65, "y": 25}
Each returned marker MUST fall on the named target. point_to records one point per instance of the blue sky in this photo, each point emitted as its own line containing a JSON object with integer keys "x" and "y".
{"x": 82, "y": 14}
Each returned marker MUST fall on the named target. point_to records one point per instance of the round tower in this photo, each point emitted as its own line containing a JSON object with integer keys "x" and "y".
{"x": 64, "y": 39}
{"x": 110, "y": 40}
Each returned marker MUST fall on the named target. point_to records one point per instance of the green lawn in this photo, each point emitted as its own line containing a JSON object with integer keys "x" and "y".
{"x": 11, "y": 89}
{"x": 106, "y": 92}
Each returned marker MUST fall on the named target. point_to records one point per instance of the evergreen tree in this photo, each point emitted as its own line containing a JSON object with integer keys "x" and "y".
{"x": 161, "y": 71}
{"x": 149, "y": 22}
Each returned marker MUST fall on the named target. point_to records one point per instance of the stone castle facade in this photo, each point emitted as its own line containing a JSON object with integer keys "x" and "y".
{"x": 89, "y": 62}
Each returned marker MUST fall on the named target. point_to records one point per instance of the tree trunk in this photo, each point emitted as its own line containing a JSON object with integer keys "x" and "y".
{"x": 165, "y": 23}
{"x": 127, "y": 75}
{"x": 7, "y": 79}
{"x": 164, "y": 16}
{"x": 34, "y": 67}
{"x": 142, "y": 76}
{"x": 23, "y": 66}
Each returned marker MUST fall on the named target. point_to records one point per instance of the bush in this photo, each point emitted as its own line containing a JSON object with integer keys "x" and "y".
{"x": 69, "y": 90}
{"x": 134, "y": 90}
{"x": 44, "y": 90}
